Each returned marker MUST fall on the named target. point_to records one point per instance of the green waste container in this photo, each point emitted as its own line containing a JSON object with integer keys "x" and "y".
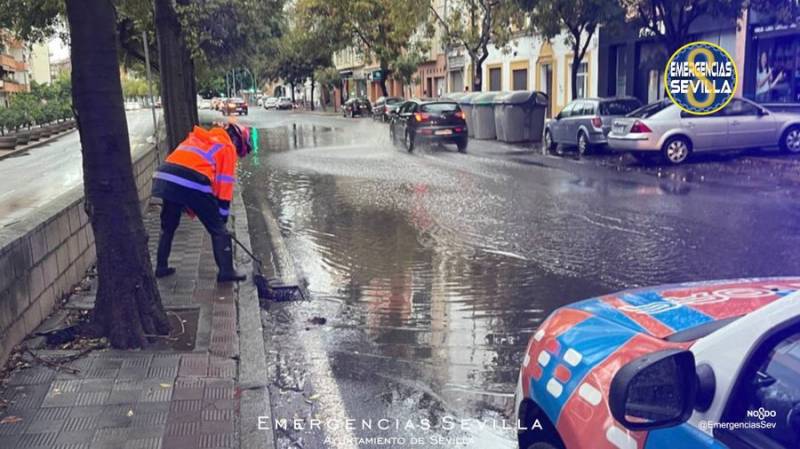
{"x": 519, "y": 116}
{"x": 466, "y": 105}
{"x": 483, "y": 112}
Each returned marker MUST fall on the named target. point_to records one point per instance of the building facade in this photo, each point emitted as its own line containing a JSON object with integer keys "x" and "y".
{"x": 632, "y": 63}
{"x": 14, "y": 67}
{"x": 534, "y": 63}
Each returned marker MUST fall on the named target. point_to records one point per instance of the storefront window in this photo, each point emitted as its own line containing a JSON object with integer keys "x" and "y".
{"x": 622, "y": 66}
{"x": 778, "y": 70}
{"x": 582, "y": 80}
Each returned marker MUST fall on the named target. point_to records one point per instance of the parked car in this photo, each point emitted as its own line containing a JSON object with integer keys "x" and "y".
{"x": 663, "y": 128}
{"x": 132, "y": 105}
{"x": 440, "y": 121}
{"x": 659, "y": 367}
{"x": 271, "y": 103}
{"x": 586, "y": 122}
{"x": 356, "y": 106}
{"x": 235, "y": 106}
{"x": 380, "y": 111}
{"x": 284, "y": 103}
{"x": 204, "y": 103}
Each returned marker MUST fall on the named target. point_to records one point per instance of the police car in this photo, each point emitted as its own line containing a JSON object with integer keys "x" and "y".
{"x": 694, "y": 366}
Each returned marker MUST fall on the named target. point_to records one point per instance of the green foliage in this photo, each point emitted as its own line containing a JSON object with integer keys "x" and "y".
{"x": 669, "y": 21}
{"x": 134, "y": 87}
{"x": 405, "y": 67}
{"x": 781, "y": 11}
{"x": 382, "y": 29}
{"x": 474, "y": 24}
{"x": 579, "y": 18}
{"x": 328, "y": 77}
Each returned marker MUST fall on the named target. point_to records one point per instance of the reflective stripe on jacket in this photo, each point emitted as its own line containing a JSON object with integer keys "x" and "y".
{"x": 211, "y": 154}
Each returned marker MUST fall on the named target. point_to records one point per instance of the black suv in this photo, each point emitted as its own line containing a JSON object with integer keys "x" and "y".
{"x": 431, "y": 121}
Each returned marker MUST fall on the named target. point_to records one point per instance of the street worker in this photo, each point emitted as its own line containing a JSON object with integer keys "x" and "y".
{"x": 198, "y": 177}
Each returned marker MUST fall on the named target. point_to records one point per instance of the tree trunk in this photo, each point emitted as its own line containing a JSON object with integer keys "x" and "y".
{"x": 292, "y": 85}
{"x": 178, "y": 89}
{"x": 128, "y": 305}
{"x": 312, "y": 92}
{"x": 477, "y": 75}
{"x": 573, "y": 76}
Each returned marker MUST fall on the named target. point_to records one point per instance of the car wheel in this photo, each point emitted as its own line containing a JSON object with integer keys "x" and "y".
{"x": 790, "y": 141}
{"x": 584, "y": 147}
{"x": 676, "y": 150}
{"x": 462, "y": 145}
{"x": 409, "y": 141}
{"x": 549, "y": 145}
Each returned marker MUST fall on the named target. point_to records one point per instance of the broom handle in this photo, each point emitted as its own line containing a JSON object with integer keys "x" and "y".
{"x": 260, "y": 264}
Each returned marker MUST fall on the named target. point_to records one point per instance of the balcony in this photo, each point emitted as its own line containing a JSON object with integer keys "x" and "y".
{"x": 12, "y": 87}
{"x": 9, "y": 64}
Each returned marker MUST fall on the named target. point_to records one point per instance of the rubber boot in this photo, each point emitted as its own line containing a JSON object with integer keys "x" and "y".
{"x": 162, "y": 256}
{"x": 223, "y": 254}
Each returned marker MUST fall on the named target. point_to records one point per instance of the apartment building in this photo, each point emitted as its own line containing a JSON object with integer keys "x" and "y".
{"x": 14, "y": 67}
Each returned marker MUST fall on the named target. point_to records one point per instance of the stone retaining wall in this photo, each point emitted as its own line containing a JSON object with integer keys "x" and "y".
{"x": 44, "y": 255}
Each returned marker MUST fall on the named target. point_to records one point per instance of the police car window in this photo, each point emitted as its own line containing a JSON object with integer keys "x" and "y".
{"x": 767, "y": 402}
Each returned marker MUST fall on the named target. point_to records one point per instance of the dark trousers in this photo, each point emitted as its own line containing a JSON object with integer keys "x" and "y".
{"x": 207, "y": 210}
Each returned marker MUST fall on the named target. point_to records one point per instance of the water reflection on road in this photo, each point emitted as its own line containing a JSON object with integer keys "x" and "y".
{"x": 433, "y": 269}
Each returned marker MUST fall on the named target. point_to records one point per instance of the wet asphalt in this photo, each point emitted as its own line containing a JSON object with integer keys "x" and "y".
{"x": 431, "y": 270}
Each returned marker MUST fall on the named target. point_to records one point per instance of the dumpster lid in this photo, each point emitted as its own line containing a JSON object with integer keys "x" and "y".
{"x": 455, "y": 96}
{"x": 486, "y": 98}
{"x": 468, "y": 98}
{"x": 520, "y": 97}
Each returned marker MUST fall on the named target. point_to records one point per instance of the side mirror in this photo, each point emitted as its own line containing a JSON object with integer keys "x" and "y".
{"x": 558, "y": 116}
{"x": 762, "y": 112}
{"x": 654, "y": 391}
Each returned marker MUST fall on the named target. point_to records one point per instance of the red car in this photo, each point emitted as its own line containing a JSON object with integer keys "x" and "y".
{"x": 235, "y": 106}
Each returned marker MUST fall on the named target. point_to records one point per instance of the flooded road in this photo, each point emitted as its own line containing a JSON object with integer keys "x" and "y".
{"x": 428, "y": 272}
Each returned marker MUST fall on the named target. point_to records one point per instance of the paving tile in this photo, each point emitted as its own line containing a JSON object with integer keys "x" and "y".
{"x": 180, "y": 442}
{"x": 148, "y": 443}
{"x": 188, "y": 388}
{"x": 33, "y": 375}
{"x": 194, "y": 365}
{"x": 90, "y": 385}
{"x": 92, "y": 398}
{"x": 37, "y": 440}
{"x": 218, "y": 441}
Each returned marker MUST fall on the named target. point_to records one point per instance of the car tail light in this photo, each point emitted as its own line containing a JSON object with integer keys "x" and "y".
{"x": 461, "y": 115}
{"x": 596, "y": 122}
{"x": 639, "y": 127}
{"x": 421, "y": 116}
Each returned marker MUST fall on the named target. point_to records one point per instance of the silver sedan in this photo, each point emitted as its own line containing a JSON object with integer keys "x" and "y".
{"x": 662, "y": 127}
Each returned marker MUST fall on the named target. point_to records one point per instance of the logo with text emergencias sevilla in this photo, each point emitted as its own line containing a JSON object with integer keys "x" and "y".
{"x": 701, "y": 78}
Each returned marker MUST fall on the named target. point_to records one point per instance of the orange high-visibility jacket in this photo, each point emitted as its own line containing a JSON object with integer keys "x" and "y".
{"x": 210, "y": 153}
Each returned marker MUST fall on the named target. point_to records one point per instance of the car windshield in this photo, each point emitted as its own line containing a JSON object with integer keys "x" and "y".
{"x": 619, "y": 107}
{"x": 393, "y": 100}
{"x": 440, "y": 107}
{"x": 650, "y": 109}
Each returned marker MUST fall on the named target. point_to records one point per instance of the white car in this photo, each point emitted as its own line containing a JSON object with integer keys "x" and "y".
{"x": 204, "y": 104}
{"x": 663, "y": 128}
{"x": 271, "y": 103}
{"x": 709, "y": 365}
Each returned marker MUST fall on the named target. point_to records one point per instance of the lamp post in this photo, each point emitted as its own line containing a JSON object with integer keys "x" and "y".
{"x": 150, "y": 91}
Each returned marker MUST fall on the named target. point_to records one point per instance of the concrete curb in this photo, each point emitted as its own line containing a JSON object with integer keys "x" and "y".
{"x": 254, "y": 402}
{"x": 38, "y": 143}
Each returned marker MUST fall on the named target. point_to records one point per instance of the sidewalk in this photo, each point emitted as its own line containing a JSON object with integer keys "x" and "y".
{"x": 184, "y": 393}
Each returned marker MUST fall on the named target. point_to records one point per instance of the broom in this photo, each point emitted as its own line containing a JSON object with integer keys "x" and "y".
{"x": 258, "y": 277}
